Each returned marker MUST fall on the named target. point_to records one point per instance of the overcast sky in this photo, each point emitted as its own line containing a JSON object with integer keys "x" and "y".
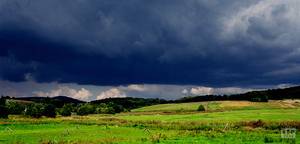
{"x": 91, "y": 49}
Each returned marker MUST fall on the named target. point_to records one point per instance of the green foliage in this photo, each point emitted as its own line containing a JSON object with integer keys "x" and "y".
{"x": 66, "y": 110}
{"x": 115, "y": 107}
{"x": 259, "y": 97}
{"x": 2, "y": 101}
{"x": 15, "y": 107}
{"x": 201, "y": 108}
{"x": 3, "y": 112}
{"x": 49, "y": 110}
{"x": 86, "y": 109}
{"x": 110, "y": 108}
{"x": 35, "y": 110}
{"x": 104, "y": 109}
{"x": 3, "y": 109}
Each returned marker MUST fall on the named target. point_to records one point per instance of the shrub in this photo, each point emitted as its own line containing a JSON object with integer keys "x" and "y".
{"x": 3, "y": 112}
{"x": 66, "y": 110}
{"x": 49, "y": 110}
{"x": 201, "y": 108}
{"x": 85, "y": 109}
{"x": 34, "y": 110}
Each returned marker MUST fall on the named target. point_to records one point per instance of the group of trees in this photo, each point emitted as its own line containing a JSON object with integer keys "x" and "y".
{"x": 50, "y": 107}
{"x": 37, "y": 110}
{"x": 255, "y": 96}
{"x": 103, "y": 108}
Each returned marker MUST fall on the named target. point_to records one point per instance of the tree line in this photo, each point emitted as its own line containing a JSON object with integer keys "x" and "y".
{"x": 49, "y": 107}
{"x": 254, "y": 96}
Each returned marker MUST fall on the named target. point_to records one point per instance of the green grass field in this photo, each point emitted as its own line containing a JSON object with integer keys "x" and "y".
{"x": 223, "y": 122}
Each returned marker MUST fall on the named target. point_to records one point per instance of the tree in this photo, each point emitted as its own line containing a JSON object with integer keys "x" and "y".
{"x": 201, "y": 108}
{"x": 34, "y": 110}
{"x": 3, "y": 112}
{"x": 15, "y": 107}
{"x": 2, "y": 101}
{"x": 116, "y": 108}
{"x": 3, "y": 109}
{"x": 49, "y": 110}
{"x": 66, "y": 110}
{"x": 85, "y": 109}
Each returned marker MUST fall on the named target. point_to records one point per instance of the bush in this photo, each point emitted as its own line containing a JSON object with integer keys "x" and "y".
{"x": 85, "y": 109}
{"x": 49, "y": 110}
{"x": 3, "y": 112}
{"x": 201, "y": 108}
{"x": 66, "y": 110}
{"x": 34, "y": 110}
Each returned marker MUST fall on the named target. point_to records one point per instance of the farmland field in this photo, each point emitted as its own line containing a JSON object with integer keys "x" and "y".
{"x": 222, "y": 122}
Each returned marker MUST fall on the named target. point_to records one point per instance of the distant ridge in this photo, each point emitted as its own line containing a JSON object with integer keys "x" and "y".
{"x": 270, "y": 94}
{"x": 65, "y": 99}
{"x": 58, "y": 101}
{"x": 263, "y": 95}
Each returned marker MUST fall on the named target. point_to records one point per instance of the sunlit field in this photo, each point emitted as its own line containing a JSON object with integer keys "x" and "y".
{"x": 223, "y": 122}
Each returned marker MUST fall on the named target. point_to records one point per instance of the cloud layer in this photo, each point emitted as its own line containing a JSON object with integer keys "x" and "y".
{"x": 213, "y": 43}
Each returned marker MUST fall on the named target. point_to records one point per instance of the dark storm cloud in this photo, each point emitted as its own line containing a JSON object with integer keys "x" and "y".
{"x": 204, "y": 42}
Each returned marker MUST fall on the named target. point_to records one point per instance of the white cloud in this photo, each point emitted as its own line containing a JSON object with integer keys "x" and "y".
{"x": 82, "y": 94}
{"x": 184, "y": 91}
{"x": 202, "y": 91}
{"x": 282, "y": 86}
{"x": 111, "y": 93}
{"x": 135, "y": 87}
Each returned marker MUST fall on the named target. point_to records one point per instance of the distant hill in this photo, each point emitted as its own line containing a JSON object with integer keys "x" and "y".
{"x": 260, "y": 96}
{"x": 67, "y": 99}
{"x": 59, "y": 101}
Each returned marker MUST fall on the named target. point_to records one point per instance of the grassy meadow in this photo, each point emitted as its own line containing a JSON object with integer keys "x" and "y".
{"x": 222, "y": 122}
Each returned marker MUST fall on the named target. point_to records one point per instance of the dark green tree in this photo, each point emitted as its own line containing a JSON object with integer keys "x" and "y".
{"x": 34, "y": 110}
{"x": 201, "y": 108}
{"x": 66, "y": 110}
{"x": 86, "y": 109}
{"x": 3, "y": 109}
{"x": 3, "y": 112}
{"x": 15, "y": 107}
{"x": 49, "y": 110}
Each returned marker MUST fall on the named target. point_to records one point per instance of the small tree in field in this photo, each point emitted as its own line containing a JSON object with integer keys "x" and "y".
{"x": 201, "y": 108}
